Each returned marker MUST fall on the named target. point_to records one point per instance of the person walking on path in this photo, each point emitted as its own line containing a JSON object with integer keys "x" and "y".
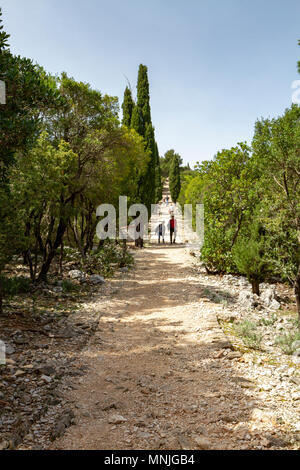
{"x": 167, "y": 201}
{"x": 160, "y": 231}
{"x": 172, "y": 227}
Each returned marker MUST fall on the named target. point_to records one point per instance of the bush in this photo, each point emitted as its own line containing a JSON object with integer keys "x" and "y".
{"x": 68, "y": 286}
{"x": 268, "y": 321}
{"x": 249, "y": 257}
{"x": 105, "y": 259}
{"x": 285, "y": 342}
{"x": 247, "y": 330}
{"x": 15, "y": 285}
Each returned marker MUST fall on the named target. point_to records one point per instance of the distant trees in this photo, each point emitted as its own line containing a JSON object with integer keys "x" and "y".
{"x": 252, "y": 204}
{"x": 141, "y": 122}
{"x": 127, "y": 107}
{"x": 3, "y": 35}
{"x": 276, "y": 156}
{"x": 150, "y": 186}
{"x": 166, "y": 160}
{"x": 158, "y": 180}
{"x": 174, "y": 177}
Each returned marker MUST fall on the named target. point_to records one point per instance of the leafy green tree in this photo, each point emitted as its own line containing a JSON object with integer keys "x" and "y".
{"x": 276, "y": 156}
{"x": 250, "y": 256}
{"x": 30, "y": 92}
{"x": 166, "y": 160}
{"x": 127, "y": 106}
{"x": 225, "y": 186}
{"x": 3, "y": 35}
{"x": 55, "y": 191}
{"x": 158, "y": 181}
{"x": 42, "y": 188}
{"x": 174, "y": 178}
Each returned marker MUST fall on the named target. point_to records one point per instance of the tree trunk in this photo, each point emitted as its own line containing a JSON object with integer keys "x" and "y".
{"x": 61, "y": 257}
{"x": 255, "y": 287}
{"x": 297, "y": 292}
{"x": 58, "y": 241}
{"x": 77, "y": 240}
{"x": 124, "y": 251}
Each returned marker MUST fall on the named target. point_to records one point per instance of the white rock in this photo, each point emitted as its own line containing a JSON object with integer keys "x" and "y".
{"x": 116, "y": 419}
{"x": 76, "y": 274}
{"x": 246, "y": 298}
{"x": 46, "y": 379}
{"x": 96, "y": 279}
{"x": 296, "y": 345}
{"x": 267, "y": 296}
{"x": 274, "y": 305}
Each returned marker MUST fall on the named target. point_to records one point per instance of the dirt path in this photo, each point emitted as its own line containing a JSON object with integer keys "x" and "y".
{"x": 155, "y": 380}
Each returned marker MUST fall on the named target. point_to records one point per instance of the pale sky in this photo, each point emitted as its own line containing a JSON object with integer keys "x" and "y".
{"x": 215, "y": 66}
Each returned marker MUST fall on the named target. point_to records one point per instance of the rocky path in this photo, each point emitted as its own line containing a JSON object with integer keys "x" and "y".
{"x": 161, "y": 375}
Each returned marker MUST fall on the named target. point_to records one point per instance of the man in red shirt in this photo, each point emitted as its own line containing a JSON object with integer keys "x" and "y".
{"x": 172, "y": 226}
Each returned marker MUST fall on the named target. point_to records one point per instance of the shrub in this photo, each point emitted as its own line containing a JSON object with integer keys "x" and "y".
{"x": 286, "y": 340}
{"x": 250, "y": 259}
{"x": 68, "y": 286}
{"x": 15, "y": 285}
{"x": 247, "y": 330}
{"x": 268, "y": 321}
{"x": 105, "y": 259}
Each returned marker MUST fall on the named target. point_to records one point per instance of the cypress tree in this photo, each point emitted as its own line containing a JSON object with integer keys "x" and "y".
{"x": 141, "y": 122}
{"x": 143, "y": 97}
{"x": 127, "y": 106}
{"x": 3, "y": 36}
{"x": 137, "y": 120}
{"x": 174, "y": 177}
{"x": 158, "y": 183}
{"x": 147, "y": 181}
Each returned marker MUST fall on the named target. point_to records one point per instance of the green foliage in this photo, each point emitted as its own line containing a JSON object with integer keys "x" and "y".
{"x": 166, "y": 160}
{"x": 174, "y": 177}
{"x": 224, "y": 187}
{"x": 63, "y": 153}
{"x": 268, "y": 321}
{"x": 143, "y": 97}
{"x": 286, "y": 340}
{"x": 3, "y": 35}
{"x": 127, "y": 106}
{"x": 107, "y": 258}
{"x": 247, "y": 330}
{"x": 68, "y": 286}
{"x": 142, "y": 124}
{"x": 249, "y": 255}
{"x": 29, "y": 93}
{"x": 147, "y": 180}
{"x": 15, "y": 285}
{"x": 158, "y": 180}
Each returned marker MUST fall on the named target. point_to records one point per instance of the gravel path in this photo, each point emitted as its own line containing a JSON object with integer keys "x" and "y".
{"x": 161, "y": 374}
